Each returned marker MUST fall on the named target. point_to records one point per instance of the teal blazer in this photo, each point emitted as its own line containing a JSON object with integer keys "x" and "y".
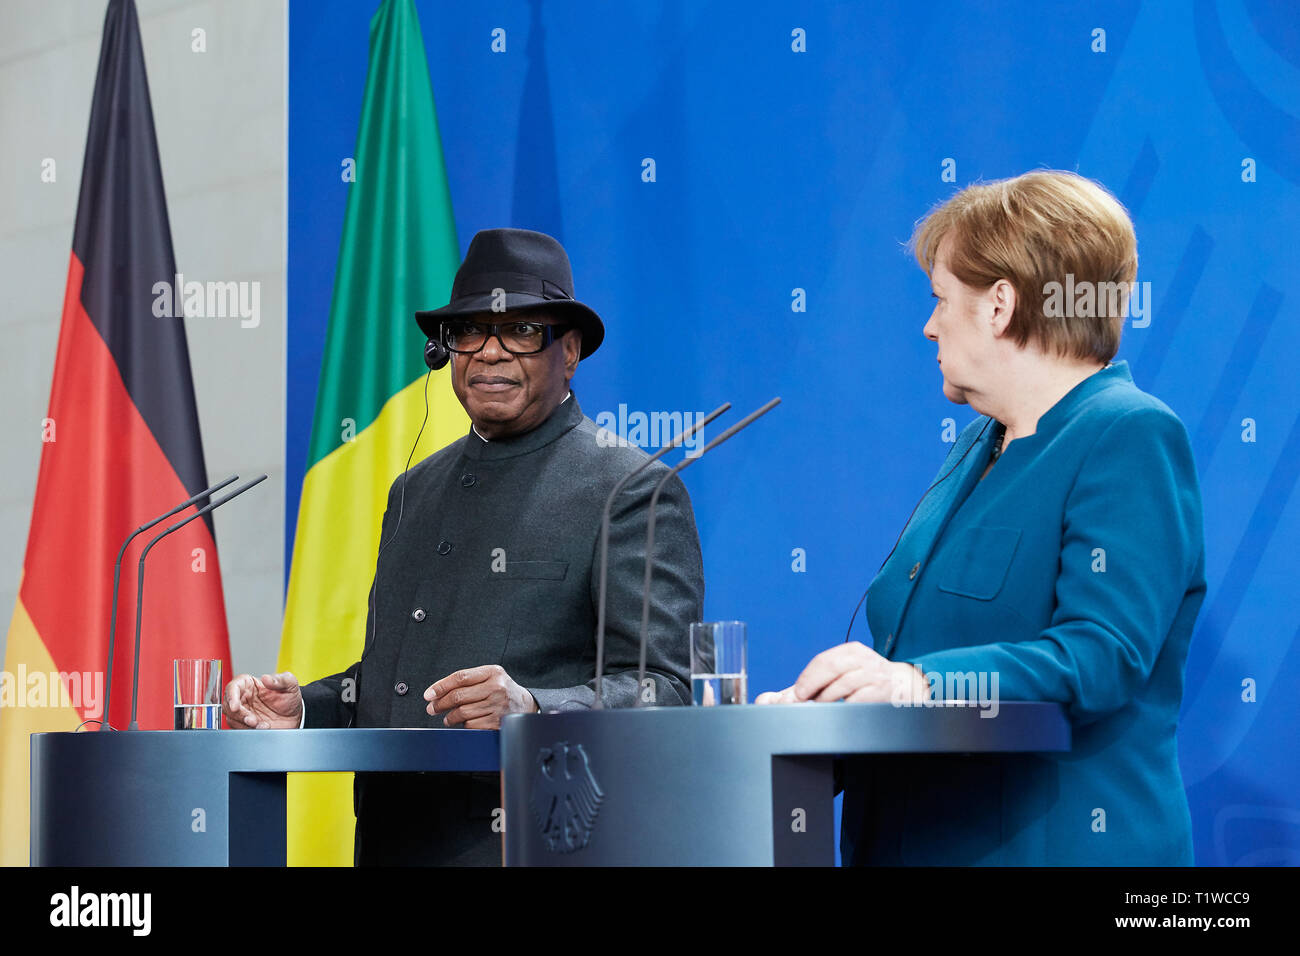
{"x": 1072, "y": 573}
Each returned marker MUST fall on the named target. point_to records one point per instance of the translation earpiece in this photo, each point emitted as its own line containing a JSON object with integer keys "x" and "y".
{"x": 436, "y": 354}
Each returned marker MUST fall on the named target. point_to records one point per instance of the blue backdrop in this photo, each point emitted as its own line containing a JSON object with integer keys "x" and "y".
{"x": 778, "y": 170}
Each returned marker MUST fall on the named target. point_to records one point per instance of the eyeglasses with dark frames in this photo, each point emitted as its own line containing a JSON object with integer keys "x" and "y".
{"x": 518, "y": 337}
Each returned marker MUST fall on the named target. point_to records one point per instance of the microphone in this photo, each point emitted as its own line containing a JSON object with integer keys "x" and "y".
{"x": 650, "y": 525}
{"x": 139, "y": 591}
{"x": 604, "y": 535}
{"x": 117, "y": 574}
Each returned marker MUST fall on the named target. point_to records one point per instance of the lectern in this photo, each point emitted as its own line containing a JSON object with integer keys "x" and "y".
{"x": 721, "y": 786}
{"x": 206, "y": 797}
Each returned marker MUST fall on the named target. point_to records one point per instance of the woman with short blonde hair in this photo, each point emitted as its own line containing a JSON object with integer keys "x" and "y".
{"x": 1037, "y": 231}
{"x": 1057, "y": 556}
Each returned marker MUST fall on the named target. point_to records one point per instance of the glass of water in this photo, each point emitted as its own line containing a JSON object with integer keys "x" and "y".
{"x": 196, "y": 694}
{"x": 718, "y": 663}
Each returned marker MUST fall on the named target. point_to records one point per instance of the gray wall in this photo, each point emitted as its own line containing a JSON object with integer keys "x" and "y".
{"x": 220, "y": 118}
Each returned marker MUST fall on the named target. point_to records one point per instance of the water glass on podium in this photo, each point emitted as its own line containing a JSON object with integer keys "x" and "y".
{"x": 196, "y": 694}
{"x": 718, "y": 671}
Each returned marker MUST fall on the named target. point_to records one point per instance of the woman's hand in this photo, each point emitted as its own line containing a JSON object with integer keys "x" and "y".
{"x": 777, "y": 696}
{"x": 856, "y": 673}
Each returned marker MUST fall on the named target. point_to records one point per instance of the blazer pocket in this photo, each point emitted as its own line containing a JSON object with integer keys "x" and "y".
{"x": 528, "y": 604}
{"x": 535, "y": 570}
{"x": 976, "y": 565}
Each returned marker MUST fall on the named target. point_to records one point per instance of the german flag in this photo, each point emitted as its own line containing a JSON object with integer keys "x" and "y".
{"x": 121, "y": 446}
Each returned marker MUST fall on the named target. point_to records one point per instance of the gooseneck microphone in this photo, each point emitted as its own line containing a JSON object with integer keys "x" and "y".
{"x": 604, "y": 535}
{"x": 139, "y": 590}
{"x": 650, "y": 526}
{"x": 117, "y": 576}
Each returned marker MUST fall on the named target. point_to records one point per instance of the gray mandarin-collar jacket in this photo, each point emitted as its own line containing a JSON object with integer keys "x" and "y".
{"x": 496, "y": 562}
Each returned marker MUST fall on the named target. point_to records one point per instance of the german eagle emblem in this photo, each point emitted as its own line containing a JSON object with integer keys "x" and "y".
{"x": 565, "y": 797}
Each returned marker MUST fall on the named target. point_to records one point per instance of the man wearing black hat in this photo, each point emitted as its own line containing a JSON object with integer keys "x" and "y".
{"x": 484, "y": 600}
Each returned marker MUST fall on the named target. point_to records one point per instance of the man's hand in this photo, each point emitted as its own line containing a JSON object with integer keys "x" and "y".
{"x": 476, "y": 698}
{"x": 271, "y": 701}
{"x": 856, "y": 673}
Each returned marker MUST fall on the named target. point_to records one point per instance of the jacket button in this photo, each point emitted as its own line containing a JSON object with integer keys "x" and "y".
{"x": 911, "y": 575}
{"x": 467, "y": 480}
{"x": 418, "y": 614}
{"x": 400, "y": 687}
{"x": 444, "y": 547}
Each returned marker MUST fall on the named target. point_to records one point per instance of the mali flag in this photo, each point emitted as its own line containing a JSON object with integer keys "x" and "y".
{"x": 398, "y": 254}
{"x": 121, "y": 446}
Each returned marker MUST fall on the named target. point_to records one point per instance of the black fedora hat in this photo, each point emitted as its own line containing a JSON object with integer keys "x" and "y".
{"x": 516, "y": 269}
